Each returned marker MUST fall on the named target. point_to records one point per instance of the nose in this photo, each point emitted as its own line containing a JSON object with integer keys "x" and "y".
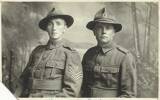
{"x": 104, "y": 30}
{"x": 53, "y": 26}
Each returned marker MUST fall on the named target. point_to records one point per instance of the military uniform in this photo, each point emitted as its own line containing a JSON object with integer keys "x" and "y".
{"x": 54, "y": 70}
{"x": 109, "y": 72}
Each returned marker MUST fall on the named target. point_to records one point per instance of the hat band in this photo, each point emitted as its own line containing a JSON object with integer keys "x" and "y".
{"x": 105, "y": 20}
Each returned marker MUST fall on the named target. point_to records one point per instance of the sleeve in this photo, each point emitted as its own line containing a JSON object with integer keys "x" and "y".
{"x": 85, "y": 90}
{"x": 128, "y": 77}
{"x": 72, "y": 76}
{"x": 24, "y": 78}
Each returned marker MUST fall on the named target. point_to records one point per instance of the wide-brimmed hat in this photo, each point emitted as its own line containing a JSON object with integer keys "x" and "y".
{"x": 55, "y": 13}
{"x": 104, "y": 16}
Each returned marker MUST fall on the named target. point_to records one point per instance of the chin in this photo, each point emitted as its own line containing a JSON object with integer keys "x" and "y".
{"x": 104, "y": 41}
{"x": 56, "y": 38}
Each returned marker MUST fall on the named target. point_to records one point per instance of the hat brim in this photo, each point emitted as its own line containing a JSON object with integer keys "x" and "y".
{"x": 117, "y": 26}
{"x": 44, "y": 22}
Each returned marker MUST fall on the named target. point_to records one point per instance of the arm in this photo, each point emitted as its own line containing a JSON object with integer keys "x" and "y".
{"x": 72, "y": 76}
{"x": 24, "y": 78}
{"x": 85, "y": 91}
{"x": 128, "y": 77}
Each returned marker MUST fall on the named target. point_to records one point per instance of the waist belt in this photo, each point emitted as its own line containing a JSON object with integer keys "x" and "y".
{"x": 103, "y": 69}
{"x": 55, "y": 84}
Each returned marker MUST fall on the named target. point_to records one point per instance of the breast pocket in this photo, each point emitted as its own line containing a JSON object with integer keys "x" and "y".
{"x": 54, "y": 68}
{"x": 110, "y": 75}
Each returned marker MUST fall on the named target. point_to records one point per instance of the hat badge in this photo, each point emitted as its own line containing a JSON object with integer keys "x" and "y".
{"x": 104, "y": 16}
{"x": 104, "y": 12}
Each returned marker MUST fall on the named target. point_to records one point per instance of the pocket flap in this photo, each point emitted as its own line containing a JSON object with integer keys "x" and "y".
{"x": 110, "y": 69}
{"x": 56, "y": 64}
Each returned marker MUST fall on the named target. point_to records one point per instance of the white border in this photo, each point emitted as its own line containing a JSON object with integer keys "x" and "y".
{"x": 80, "y": 0}
{"x": 8, "y": 94}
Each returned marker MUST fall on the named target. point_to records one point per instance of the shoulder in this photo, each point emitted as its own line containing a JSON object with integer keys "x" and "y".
{"x": 38, "y": 49}
{"x": 92, "y": 50}
{"x": 67, "y": 45}
{"x": 69, "y": 48}
{"x": 122, "y": 50}
{"x": 72, "y": 54}
{"x": 126, "y": 54}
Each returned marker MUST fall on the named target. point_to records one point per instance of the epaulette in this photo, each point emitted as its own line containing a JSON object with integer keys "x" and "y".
{"x": 69, "y": 47}
{"x": 123, "y": 50}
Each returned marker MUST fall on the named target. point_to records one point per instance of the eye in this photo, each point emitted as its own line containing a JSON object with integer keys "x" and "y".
{"x": 49, "y": 24}
{"x": 97, "y": 27}
{"x": 109, "y": 27}
{"x": 58, "y": 23}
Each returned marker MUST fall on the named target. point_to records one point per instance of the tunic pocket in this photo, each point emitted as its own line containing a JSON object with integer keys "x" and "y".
{"x": 56, "y": 64}
{"x": 110, "y": 69}
{"x": 54, "y": 69}
{"x": 37, "y": 73}
{"x": 110, "y": 75}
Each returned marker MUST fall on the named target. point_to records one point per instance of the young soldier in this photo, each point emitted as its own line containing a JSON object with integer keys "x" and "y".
{"x": 54, "y": 69}
{"x": 109, "y": 70}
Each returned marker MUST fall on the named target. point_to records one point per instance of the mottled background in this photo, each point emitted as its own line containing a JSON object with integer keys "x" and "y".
{"x": 21, "y": 34}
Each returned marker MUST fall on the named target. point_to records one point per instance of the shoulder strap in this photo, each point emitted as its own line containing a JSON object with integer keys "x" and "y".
{"x": 123, "y": 50}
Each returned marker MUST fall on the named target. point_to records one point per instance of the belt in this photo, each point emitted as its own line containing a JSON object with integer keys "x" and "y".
{"x": 103, "y": 69}
{"x": 109, "y": 69}
{"x": 55, "y": 84}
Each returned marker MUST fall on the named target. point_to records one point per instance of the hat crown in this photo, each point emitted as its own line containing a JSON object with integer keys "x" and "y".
{"x": 54, "y": 12}
{"x": 104, "y": 14}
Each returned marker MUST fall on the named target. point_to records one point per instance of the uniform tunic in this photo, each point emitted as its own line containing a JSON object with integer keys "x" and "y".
{"x": 53, "y": 70}
{"x": 109, "y": 72}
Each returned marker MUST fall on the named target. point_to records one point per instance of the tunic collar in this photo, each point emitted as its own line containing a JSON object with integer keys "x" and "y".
{"x": 52, "y": 44}
{"x": 107, "y": 47}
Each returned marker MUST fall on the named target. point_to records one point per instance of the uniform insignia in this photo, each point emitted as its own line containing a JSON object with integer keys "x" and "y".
{"x": 74, "y": 72}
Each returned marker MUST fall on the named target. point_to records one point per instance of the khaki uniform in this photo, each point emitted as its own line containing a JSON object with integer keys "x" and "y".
{"x": 109, "y": 72}
{"x": 54, "y": 70}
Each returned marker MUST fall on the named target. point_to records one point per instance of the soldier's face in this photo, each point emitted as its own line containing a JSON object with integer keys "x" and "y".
{"x": 104, "y": 32}
{"x": 56, "y": 27}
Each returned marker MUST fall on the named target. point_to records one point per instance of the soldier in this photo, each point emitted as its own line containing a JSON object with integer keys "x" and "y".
{"x": 54, "y": 69}
{"x": 109, "y": 70}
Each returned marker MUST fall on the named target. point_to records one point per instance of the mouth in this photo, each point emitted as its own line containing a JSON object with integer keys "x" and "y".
{"x": 104, "y": 37}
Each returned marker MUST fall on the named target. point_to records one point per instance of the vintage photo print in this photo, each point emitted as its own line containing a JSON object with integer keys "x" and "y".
{"x": 80, "y": 49}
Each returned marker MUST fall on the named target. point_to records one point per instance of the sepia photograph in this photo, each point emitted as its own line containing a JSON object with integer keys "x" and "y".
{"x": 80, "y": 49}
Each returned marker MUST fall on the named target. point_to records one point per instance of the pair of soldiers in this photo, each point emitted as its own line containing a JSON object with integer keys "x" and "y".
{"x": 55, "y": 69}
